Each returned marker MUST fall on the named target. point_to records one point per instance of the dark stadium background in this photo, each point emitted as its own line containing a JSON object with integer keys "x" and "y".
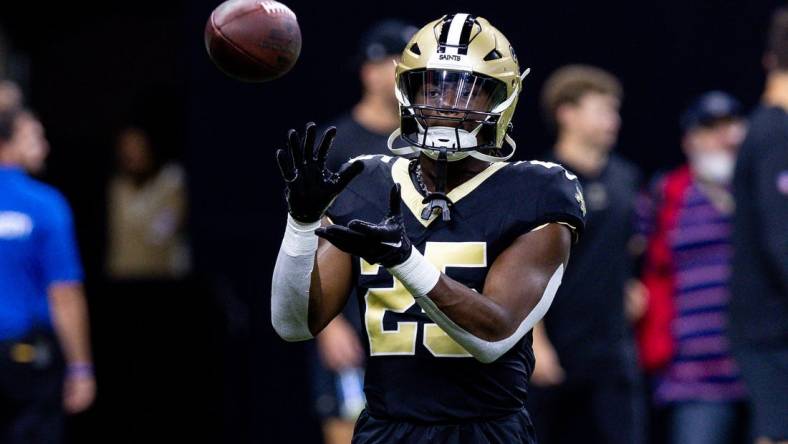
{"x": 205, "y": 366}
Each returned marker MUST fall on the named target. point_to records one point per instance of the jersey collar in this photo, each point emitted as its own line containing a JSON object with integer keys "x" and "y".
{"x": 7, "y": 170}
{"x": 412, "y": 198}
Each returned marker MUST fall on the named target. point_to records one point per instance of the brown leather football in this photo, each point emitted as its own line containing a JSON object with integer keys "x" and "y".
{"x": 253, "y": 41}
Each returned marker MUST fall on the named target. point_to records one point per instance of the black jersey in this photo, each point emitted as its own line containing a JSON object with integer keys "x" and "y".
{"x": 594, "y": 282}
{"x": 415, "y": 371}
{"x": 759, "y": 303}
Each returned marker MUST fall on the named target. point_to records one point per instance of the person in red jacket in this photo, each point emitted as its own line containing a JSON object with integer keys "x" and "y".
{"x": 682, "y": 337}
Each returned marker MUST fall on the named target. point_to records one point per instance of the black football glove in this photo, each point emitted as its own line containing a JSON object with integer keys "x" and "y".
{"x": 310, "y": 186}
{"x": 385, "y": 243}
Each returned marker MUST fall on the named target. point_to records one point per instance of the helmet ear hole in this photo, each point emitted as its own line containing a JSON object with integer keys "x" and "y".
{"x": 493, "y": 55}
{"x": 414, "y": 48}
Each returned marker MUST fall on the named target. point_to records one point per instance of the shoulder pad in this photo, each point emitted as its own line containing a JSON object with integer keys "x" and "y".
{"x": 560, "y": 198}
{"x": 542, "y": 168}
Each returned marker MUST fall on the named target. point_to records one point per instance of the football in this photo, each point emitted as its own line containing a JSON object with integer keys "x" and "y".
{"x": 253, "y": 41}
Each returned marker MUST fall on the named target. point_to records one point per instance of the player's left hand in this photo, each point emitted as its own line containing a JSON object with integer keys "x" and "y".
{"x": 79, "y": 391}
{"x": 384, "y": 243}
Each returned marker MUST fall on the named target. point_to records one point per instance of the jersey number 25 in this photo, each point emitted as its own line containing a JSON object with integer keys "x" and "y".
{"x": 397, "y": 299}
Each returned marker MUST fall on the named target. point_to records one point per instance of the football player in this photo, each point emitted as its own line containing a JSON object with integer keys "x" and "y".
{"x": 454, "y": 255}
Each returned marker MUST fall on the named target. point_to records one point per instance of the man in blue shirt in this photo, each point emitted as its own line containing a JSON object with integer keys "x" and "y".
{"x": 40, "y": 298}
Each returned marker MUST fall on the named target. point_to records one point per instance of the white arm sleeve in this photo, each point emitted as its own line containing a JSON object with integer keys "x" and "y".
{"x": 291, "y": 281}
{"x": 420, "y": 277}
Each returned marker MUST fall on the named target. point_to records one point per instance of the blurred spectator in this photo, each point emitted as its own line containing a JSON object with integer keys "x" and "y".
{"x": 40, "y": 298}
{"x": 338, "y": 374}
{"x": 147, "y": 206}
{"x": 759, "y": 307}
{"x": 30, "y": 132}
{"x": 36, "y": 147}
{"x": 585, "y": 357}
{"x": 687, "y": 269}
{"x": 365, "y": 129}
{"x": 10, "y": 95}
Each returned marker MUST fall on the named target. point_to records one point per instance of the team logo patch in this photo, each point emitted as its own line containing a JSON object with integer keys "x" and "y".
{"x": 782, "y": 182}
{"x": 580, "y": 200}
{"x": 14, "y": 225}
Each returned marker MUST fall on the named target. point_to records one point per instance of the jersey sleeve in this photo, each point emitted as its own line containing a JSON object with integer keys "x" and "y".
{"x": 561, "y": 200}
{"x": 58, "y": 249}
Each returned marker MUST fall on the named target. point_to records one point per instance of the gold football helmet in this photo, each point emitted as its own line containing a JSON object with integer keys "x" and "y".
{"x": 457, "y": 85}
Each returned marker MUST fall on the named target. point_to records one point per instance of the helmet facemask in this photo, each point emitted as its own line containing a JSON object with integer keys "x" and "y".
{"x": 455, "y": 110}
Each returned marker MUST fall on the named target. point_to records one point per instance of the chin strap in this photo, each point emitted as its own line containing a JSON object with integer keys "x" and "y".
{"x": 438, "y": 200}
{"x": 404, "y": 151}
{"x": 489, "y": 158}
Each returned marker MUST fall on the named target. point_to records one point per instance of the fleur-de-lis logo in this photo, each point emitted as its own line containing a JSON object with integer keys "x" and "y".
{"x": 580, "y": 200}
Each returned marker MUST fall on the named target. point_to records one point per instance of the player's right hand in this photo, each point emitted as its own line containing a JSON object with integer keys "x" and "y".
{"x": 309, "y": 186}
{"x": 385, "y": 243}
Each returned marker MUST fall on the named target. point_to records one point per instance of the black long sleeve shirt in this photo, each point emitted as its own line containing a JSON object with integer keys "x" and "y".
{"x": 759, "y": 306}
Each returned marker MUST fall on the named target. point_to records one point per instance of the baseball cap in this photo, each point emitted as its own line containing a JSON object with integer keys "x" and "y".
{"x": 709, "y": 107}
{"x": 384, "y": 39}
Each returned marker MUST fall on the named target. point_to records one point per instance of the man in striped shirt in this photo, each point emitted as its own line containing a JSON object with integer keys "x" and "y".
{"x": 687, "y": 273}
